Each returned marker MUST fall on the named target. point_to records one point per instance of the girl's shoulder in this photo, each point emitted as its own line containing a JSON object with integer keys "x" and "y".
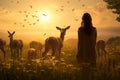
{"x": 80, "y": 28}
{"x": 94, "y": 29}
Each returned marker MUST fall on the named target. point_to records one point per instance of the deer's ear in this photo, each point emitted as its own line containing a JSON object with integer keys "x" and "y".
{"x": 58, "y": 28}
{"x": 8, "y": 32}
{"x": 67, "y": 27}
{"x": 13, "y": 32}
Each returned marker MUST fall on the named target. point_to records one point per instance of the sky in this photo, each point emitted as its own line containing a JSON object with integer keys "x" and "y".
{"x": 37, "y": 19}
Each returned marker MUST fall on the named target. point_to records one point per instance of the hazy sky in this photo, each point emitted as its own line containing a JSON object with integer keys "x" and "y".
{"x": 34, "y": 18}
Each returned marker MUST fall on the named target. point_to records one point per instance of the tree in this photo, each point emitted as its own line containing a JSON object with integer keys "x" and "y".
{"x": 115, "y": 6}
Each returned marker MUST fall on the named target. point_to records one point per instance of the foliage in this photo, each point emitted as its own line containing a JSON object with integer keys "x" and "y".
{"x": 114, "y": 43}
{"x": 115, "y": 5}
{"x": 115, "y": 40}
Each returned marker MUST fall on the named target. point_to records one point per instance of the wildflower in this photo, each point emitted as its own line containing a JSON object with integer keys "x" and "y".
{"x": 23, "y": 59}
{"x": 8, "y": 65}
{"x": 63, "y": 53}
{"x": 62, "y": 60}
{"x": 42, "y": 70}
{"x": 37, "y": 60}
{"x": 17, "y": 68}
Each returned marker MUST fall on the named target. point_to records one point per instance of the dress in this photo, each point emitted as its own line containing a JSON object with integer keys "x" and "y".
{"x": 86, "y": 46}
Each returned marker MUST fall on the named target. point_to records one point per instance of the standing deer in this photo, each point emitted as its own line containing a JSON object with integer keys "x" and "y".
{"x": 100, "y": 46}
{"x": 2, "y": 44}
{"x": 100, "y": 50}
{"x": 55, "y": 43}
{"x": 15, "y": 45}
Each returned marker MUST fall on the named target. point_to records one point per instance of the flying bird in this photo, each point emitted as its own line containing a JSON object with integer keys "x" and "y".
{"x": 30, "y": 6}
{"x": 26, "y": 16}
{"x": 23, "y": 25}
{"x": 62, "y": 9}
{"x": 76, "y": 19}
{"x": 17, "y": 2}
{"x": 83, "y": 5}
{"x": 62, "y": 6}
{"x": 44, "y": 34}
{"x": 73, "y": 9}
{"x": 37, "y": 19}
{"x": 68, "y": 2}
{"x": 44, "y": 15}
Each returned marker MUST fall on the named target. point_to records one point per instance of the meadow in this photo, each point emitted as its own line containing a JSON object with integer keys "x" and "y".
{"x": 66, "y": 68}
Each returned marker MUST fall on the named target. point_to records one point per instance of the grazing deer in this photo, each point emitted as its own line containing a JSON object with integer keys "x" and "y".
{"x": 36, "y": 45}
{"x": 2, "y": 44}
{"x": 55, "y": 43}
{"x": 100, "y": 46}
{"x": 32, "y": 53}
{"x": 100, "y": 50}
{"x": 15, "y": 45}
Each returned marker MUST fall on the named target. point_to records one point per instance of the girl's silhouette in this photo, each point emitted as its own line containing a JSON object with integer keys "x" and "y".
{"x": 87, "y": 35}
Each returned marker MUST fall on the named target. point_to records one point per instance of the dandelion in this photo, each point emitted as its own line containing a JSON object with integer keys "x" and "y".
{"x": 62, "y": 60}
{"x": 70, "y": 65}
{"x": 17, "y": 68}
{"x": 42, "y": 70}
{"x": 8, "y": 65}
{"x": 40, "y": 64}
{"x": 63, "y": 64}
{"x": 48, "y": 54}
{"x": 34, "y": 71}
{"x": 69, "y": 55}
{"x": 63, "y": 53}
{"x": 10, "y": 60}
{"x": 27, "y": 71}
{"x": 50, "y": 68}
{"x": 33, "y": 60}
{"x": 53, "y": 57}
{"x": 37, "y": 60}
{"x": 28, "y": 64}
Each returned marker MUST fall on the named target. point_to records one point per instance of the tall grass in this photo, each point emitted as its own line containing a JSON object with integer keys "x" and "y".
{"x": 66, "y": 69}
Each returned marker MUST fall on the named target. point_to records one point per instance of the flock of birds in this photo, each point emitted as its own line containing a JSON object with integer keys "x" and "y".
{"x": 28, "y": 15}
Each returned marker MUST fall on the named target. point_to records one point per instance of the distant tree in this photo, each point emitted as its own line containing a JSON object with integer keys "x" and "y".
{"x": 115, "y": 5}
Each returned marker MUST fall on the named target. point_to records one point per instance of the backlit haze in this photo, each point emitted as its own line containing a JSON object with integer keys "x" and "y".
{"x": 37, "y": 19}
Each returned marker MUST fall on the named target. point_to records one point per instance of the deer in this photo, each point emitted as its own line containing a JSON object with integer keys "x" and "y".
{"x": 32, "y": 53}
{"x": 100, "y": 48}
{"x": 36, "y": 45}
{"x": 15, "y": 45}
{"x": 55, "y": 43}
{"x": 2, "y": 45}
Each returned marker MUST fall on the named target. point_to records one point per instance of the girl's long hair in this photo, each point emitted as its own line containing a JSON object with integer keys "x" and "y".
{"x": 87, "y": 20}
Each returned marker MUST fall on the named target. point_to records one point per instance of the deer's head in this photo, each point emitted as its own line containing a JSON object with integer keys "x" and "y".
{"x": 62, "y": 31}
{"x": 11, "y": 34}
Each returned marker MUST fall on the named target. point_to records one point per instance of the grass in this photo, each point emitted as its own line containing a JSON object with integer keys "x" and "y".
{"x": 65, "y": 69}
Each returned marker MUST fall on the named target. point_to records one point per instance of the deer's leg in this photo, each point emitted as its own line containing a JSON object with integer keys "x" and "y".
{"x": 20, "y": 52}
{"x": 45, "y": 52}
{"x": 98, "y": 52}
{"x": 2, "y": 49}
{"x": 104, "y": 51}
{"x": 99, "y": 55}
{"x": 11, "y": 50}
{"x": 57, "y": 54}
{"x": 53, "y": 51}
